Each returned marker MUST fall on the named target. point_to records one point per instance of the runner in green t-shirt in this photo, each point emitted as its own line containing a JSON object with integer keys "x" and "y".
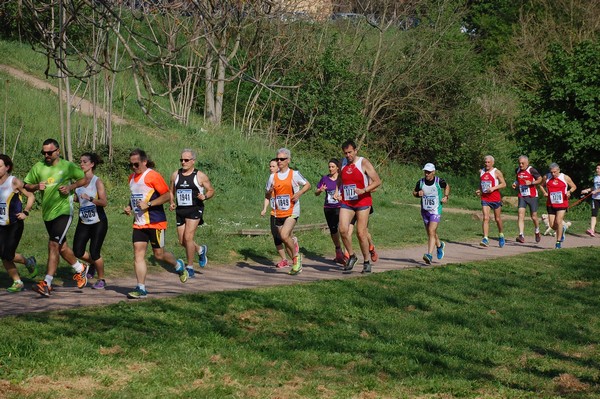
{"x": 56, "y": 178}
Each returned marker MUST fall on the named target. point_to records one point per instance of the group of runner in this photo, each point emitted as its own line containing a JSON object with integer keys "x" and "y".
{"x": 57, "y": 178}
{"x": 347, "y": 206}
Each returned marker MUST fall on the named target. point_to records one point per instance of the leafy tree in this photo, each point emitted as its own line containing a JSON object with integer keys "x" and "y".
{"x": 560, "y": 120}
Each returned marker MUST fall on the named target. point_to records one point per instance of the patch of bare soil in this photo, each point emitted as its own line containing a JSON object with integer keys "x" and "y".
{"x": 568, "y": 383}
{"x": 80, "y": 104}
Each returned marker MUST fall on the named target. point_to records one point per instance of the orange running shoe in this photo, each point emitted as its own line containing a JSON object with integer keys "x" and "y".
{"x": 81, "y": 278}
{"x": 43, "y": 288}
{"x": 374, "y": 255}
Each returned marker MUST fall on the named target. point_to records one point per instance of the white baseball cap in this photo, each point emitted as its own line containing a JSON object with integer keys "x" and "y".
{"x": 429, "y": 167}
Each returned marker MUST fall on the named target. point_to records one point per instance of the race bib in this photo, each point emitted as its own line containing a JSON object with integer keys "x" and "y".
{"x": 3, "y": 216}
{"x": 350, "y": 192}
{"x": 486, "y": 186}
{"x": 525, "y": 191}
{"x": 430, "y": 202}
{"x": 184, "y": 197}
{"x": 283, "y": 202}
{"x": 135, "y": 202}
{"x": 88, "y": 214}
{"x": 330, "y": 197}
{"x": 556, "y": 197}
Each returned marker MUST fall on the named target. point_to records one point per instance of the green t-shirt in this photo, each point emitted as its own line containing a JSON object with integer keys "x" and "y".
{"x": 55, "y": 204}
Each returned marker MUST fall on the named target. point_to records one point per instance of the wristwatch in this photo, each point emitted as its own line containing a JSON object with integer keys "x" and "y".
{"x": 149, "y": 204}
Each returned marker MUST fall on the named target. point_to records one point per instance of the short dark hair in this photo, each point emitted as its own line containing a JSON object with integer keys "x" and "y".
{"x": 7, "y": 162}
{"x": 349, "y": 143}
{"x": 51, "y": 141}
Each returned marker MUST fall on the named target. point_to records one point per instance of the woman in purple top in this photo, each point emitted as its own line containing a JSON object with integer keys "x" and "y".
{"x": 330, "y": 184}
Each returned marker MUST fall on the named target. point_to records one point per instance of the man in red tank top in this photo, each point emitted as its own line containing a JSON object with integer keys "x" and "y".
{"x": 491, "y": 182}
{"x": 558, "y": 190}
{"x": 526, "y": 183}
{"x": 359, "y": 179}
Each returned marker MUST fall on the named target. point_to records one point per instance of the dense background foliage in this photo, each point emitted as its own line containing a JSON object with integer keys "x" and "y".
{"x": 445, "y": 81}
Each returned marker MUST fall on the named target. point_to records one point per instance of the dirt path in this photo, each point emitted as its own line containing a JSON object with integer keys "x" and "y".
{"x": 251, "y": 273}
{"x": 80, "y": 104}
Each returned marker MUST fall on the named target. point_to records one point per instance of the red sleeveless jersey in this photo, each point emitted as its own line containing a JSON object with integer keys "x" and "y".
{"x": 353, "y": 177}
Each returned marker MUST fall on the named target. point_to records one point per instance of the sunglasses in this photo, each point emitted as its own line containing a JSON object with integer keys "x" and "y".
{"x": 134, "y": 165}
{"x": 48, "y": 153}
{"x": 280, "y": 159}
{"x": 185, "y": 160}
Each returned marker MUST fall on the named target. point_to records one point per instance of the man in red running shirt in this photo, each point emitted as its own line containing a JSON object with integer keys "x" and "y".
{"x": 359, "y": 179}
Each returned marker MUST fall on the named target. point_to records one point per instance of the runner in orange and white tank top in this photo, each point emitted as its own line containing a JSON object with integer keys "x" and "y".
{"x": 359, "y": 179}
{"x": 149, "y": 192}
{"x": 558, "y": 190}
{"x": 286, "y": 186}
{"x": 491, "y": 181}
{"x": 269, "y": 203}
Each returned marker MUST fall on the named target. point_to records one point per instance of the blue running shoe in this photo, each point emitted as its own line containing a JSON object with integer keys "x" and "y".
{"x": 558, "y": 245}
{"x": 440, "y": 250}
{"x": 428, "y": 258}
{"x": 202, "y": 259}
{"x": 191, "y": 272}
{"x": 501, "y": 241}
{"x": 138, "y": 293}
{"x": 485, "y": 242}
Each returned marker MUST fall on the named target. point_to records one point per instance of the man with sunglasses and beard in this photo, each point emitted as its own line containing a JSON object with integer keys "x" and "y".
{"x": 56, "y": 178}
{"x": 149, "y": 192}
{"x": 189, "y": 189}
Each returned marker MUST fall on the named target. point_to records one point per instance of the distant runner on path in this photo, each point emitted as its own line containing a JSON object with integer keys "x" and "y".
{"x": 558, "y": 190}
{"x": 269, "y": 202}
{"x": 331, "y": 184}
{"x": 527, "y": 180}
{"x": 12, "y": 215}
{"x": 491, "y": 182}
{"x": 189, "y": 189}
{"x": 287, "y": 186}
{"x": 433, "y": 191}
{"x": 56, "y": 178}
{"x": 359, "y": 179}
{"x": 595, "y": 192}
{"x": 149, "y": 192}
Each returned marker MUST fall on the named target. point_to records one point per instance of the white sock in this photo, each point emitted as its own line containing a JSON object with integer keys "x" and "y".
{"x": 78, "y": 267}
{"x": 142, "y": 287}
{"x": 48, "y": 279}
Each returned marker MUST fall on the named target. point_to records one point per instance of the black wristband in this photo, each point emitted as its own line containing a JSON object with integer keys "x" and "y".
{"x": 26, "y": 213}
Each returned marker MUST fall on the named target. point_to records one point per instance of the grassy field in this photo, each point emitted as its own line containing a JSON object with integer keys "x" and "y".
{"x": 524, "y": 327}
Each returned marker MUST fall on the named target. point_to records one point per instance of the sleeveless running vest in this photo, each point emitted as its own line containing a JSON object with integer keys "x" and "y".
{"x": 353, "y": 177}
{"x": 488, "y": 180}
{"x": 89, "y": 213}
{"x": 10, "y": 203}
{"x": 432, "y": 197}
{"x": 187, "y": 189}
{"x": 557, "y": 192}
{"x": 524, "y": 190}
{"x": 283, "y": 191}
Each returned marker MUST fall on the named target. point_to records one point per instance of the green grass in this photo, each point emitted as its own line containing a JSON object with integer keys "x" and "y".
{"x": 524, "y": 327}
